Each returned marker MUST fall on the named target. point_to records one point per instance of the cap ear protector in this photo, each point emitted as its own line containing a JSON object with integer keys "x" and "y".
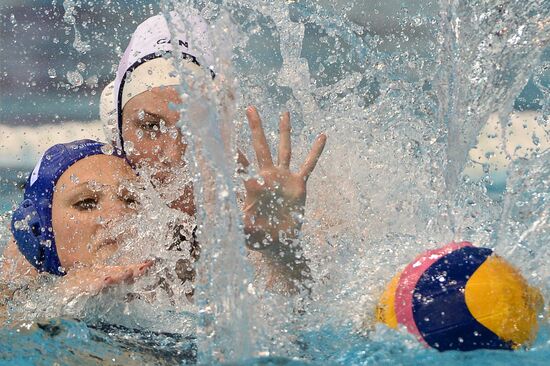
{"x": 30, "y": 233}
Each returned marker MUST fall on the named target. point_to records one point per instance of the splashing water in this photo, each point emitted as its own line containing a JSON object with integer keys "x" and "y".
{"x": 223, "y": 272}
{"x": 401, "y": 119}
{"x": 391, "y": 183}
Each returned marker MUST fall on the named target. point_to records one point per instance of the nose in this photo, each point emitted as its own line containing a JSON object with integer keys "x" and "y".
{"x": 114, "y": 207}
{"x": 172, "y": 150}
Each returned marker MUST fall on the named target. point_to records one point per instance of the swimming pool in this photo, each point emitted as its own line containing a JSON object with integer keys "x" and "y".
{"x": 69, "y": 342}
{"x": 403, "y": 93}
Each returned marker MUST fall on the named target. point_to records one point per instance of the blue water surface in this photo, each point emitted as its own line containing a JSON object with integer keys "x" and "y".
{"x": 67, "y": 341}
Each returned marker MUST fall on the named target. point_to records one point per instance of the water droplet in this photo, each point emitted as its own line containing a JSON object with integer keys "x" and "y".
{"x": 128, "y": 146}
{"x": 92, "y": 81}
{"x": 107, "y": 149}
{"x": 141, "y": 114}
{"x": 163, "y": 128}
{"x": 74, "y": 179}
{"x": 535, "y": 139}
{"x": 52, "y": 73}
{"x": 250, "y": 289}
{"x": 79, "y": 44}
{"x": 74, "y": 78}
{"x": 81, "y": 66}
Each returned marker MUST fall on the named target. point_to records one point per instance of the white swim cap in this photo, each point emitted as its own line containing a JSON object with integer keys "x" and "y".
{"x": 107, "y": 113}
{"x": 148, "y": 60}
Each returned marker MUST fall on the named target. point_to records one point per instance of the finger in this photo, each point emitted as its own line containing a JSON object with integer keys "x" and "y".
{"x": 258, "y": 138}
{"x": 138, "y": 270}
{"x": 284, "y": 141}
{"x": 313, "y": 156}
{"x": 144, "y": 267}
{"x": 242, "y": 163}
{"x": 253, "y": 187}
{"x": 241, "y": 159}
{"x": 129, "y": 274}
{"x": 121, "y": 274}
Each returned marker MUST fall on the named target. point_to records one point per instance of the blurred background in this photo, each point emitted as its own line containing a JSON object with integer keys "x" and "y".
{"x": 58, "y": 55}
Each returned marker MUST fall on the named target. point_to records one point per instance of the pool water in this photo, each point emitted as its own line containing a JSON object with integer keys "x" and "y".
{"x": 68, "y": 341}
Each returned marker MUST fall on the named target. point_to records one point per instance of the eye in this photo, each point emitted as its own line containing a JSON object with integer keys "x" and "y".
{"x": 131, "y": 201}
{"x": 87, "y": 204}
{"x": 128, "y": 197}
{"x": 150, "y": 126}
{"x": 153, "y": 124}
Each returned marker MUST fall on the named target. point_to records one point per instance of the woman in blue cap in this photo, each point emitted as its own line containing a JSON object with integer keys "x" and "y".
{"x": 73, "y": 195}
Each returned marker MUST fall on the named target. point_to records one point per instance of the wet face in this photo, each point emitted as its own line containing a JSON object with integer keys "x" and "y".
{"x": 149, "y": 124}
{"x": 88, "y": 197}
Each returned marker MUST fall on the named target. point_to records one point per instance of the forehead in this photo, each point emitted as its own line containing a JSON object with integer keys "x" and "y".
{"x": 104, "y": 169}
{"x": 154, "y": 100}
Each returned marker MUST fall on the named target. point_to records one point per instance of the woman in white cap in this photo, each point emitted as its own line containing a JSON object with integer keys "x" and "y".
{"x": 144, "y": 95}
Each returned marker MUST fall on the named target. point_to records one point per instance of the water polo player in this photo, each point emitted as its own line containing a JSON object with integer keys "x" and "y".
{"x": 71, "y": 198}
{"x": 145, "y": 125}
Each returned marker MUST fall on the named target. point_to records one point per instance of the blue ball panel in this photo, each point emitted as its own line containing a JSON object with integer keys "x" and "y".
{"x": 439, "y": 306}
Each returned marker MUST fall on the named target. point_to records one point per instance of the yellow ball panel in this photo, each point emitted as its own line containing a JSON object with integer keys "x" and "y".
{"x": 385, "y": 311}
{"x": 499, "y": 298}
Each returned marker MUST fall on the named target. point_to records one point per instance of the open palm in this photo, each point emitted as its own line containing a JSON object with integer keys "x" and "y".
{"x": 275, "y": 201}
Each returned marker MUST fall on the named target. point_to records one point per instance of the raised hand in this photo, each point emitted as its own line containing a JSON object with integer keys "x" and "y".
{"x": 275, "y": 201}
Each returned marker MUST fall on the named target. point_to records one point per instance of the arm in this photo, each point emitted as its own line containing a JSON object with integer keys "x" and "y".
{"x": 6, "y": 294}
{"x": 90, "y": 281}
{"x": 13, "y": 266}
{"x": 14, "y": 269}
{"x": 275, "y": 205}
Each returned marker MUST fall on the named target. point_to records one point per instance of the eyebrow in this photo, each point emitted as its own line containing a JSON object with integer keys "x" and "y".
{"x": 75, "y": 187}
{"x": 149, "y": 113}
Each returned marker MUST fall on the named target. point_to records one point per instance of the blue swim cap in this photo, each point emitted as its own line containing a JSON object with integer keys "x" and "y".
{"x": 31, "y": 222}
